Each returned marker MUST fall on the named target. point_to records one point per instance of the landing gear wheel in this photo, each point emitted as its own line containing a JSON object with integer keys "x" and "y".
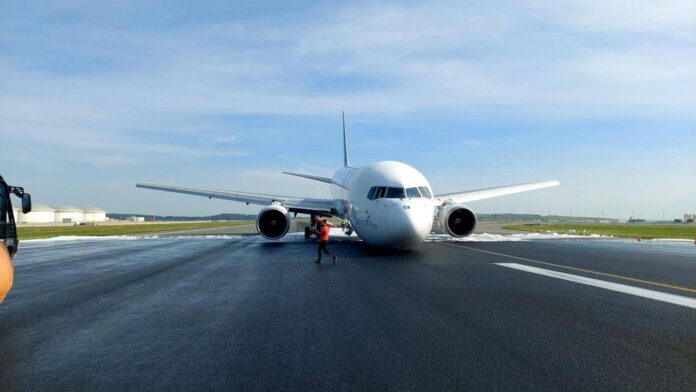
{"x": 349, "y": 231}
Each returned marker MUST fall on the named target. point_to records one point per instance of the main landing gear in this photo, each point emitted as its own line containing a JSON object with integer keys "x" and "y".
{"x": 309, "y": 230}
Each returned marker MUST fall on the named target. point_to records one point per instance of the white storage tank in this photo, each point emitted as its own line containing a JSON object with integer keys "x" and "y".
{"x": 69, "y": 214}
{"x": 93, "y": 214}
{"x": 39, "y": 214}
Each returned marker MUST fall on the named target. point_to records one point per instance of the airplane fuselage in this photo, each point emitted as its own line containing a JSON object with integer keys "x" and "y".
{"x": 388, "y": 203}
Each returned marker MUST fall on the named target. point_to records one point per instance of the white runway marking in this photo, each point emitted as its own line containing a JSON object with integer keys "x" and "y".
{"x": 622, "y": 288}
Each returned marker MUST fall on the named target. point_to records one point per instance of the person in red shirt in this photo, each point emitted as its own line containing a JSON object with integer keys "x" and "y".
{"x": 323, "y": 234}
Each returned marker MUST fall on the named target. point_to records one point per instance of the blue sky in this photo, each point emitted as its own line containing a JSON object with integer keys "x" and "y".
{"x": 600, "y": 95}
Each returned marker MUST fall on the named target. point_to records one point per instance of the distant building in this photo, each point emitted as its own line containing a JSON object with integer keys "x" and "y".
{"x": 40, "y": 213}
{"x": 93, "y": 215}
{"x": 136, "y": 219}
{"x": 689, "y": 218}
{"x": 69, "y": 214}
{"x": 636, "y": 220}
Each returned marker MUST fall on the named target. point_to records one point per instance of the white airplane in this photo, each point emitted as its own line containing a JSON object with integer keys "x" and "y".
{"x": 387, "y": 203}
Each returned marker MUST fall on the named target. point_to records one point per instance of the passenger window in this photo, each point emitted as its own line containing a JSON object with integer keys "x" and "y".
{"x": 425, "y": 192}
{"x": 412, "y": 193}
{"x": 372, "y": 193}
{"x": 395, "y": 193}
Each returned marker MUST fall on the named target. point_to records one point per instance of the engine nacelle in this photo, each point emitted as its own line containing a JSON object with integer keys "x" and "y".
{"x": 456, "y": 220}
{"x": 273, "y": 222}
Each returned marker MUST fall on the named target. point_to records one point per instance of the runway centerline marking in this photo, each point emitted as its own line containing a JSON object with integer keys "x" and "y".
{"x": 670, "y": 286}
{"x": 622, "y": 288}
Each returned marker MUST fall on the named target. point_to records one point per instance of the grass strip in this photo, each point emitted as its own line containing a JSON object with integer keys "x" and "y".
{"x": 38, "y": 232}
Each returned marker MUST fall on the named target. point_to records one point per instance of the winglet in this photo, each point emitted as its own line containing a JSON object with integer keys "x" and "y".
{"x": 345, "y": 142}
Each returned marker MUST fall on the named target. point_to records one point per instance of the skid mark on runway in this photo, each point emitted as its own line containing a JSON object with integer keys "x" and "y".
{"x": 622, "y": 288}
{"x": 632, "y": 279}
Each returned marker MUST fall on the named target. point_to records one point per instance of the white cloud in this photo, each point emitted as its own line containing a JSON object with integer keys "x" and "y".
{"x": 226, "y": 139}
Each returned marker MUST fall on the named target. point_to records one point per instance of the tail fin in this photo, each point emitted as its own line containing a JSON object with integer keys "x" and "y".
{"x": 345, "y": 142}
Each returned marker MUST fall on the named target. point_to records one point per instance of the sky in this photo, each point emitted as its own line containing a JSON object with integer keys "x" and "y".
{"x": 600, "y": 95}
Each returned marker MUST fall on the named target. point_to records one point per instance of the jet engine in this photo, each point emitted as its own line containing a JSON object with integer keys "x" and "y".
{"x": 456, "y": 220}
{"x": 273, "y": 222}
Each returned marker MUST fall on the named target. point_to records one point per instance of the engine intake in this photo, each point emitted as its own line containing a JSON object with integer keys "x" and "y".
{"x": 273, "y": 222}
{"x": 457, "y": 220}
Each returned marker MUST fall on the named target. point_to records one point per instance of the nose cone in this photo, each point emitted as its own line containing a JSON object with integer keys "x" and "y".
{"x": 409, "y": 225}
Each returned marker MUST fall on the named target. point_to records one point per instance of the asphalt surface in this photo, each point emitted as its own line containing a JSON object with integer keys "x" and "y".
{"x": 241, "y": 314}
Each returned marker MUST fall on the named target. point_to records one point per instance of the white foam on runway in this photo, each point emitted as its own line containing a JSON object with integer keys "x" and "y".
{"x": 128, "y": 238}
{"x": 299, "y": 237}
{"x": 80, "y": 238}
{"x": 485, "y": 237}
{"x": 671, "y": 240}
{"x": 338, "y": 233}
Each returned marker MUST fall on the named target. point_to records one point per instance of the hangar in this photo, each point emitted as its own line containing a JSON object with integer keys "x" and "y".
{"x": 69, "y": 214}
{"x": 93, "y": 214}
{"x": 41, "y": 213}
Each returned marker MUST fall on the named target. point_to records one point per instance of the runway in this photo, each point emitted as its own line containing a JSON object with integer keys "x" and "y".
{"x": 237, "y": 313}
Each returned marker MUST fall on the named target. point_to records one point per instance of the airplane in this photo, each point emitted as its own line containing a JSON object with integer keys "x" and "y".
{"x": 387, "y": 203}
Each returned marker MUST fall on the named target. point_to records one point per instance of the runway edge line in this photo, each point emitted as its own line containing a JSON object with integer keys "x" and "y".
{"x": 669, "y": 286}
{"x": 622, "y": 288}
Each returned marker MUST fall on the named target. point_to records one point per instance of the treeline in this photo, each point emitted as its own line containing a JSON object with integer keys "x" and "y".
{"x": 538, "y": 218}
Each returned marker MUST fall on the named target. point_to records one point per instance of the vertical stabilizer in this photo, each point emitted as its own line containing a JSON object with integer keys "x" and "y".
{"x": 345, "y": 142}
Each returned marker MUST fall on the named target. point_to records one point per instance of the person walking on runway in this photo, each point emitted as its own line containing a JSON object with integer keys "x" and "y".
{"x": 323, "y": 234}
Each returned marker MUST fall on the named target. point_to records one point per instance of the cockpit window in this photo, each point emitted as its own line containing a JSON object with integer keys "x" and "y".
{"x": 395, "y": 193}
{"x": 378, "y": 192}
{"x": 412, "y": 193}
{"x": 425, "y": 192}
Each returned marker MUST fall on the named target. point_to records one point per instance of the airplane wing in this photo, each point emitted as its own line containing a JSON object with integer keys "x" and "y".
{"x": 316, "y": 178}
{"x": 479, "y": 194}
{"x": 293, "y": 204}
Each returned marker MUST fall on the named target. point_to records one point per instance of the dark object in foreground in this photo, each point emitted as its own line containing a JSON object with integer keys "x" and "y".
{"x": 9, "y": 242}
{"x": 8, "y": 228}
